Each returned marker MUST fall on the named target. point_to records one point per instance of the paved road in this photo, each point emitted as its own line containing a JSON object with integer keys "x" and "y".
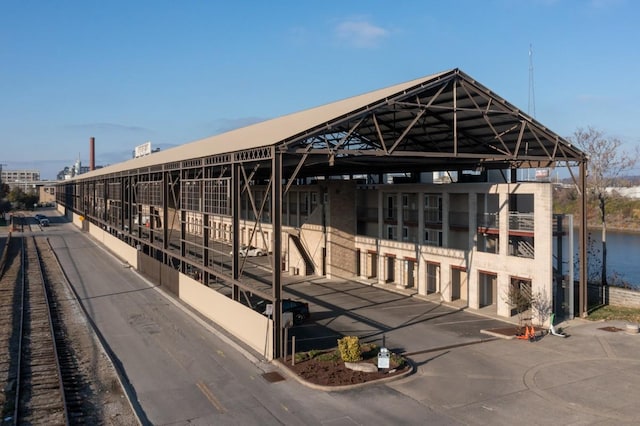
{"x": 185, "y": 372}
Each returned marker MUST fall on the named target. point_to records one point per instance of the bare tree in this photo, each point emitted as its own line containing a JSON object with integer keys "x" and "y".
{"x": 607, "y": 162}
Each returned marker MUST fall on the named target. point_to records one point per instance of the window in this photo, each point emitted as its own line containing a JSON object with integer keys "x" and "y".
{"x": 432, "y": 208}
{"x": 520, "y": 294}
{"x": 191, "y": 194}
{"x": 216, "y": 196}
{"x": 390, "y": 211}
{"x": 433, "y": 237}
{"x": 391, "y": 232}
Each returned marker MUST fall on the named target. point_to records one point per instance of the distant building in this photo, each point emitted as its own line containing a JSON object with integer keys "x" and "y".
{"x": 9, "y": 176}
{"x": 47, "y": 193}
{"x": 23, "y": 179}
{"x": 70, "y": 172}
{"x": 629, "y": 192}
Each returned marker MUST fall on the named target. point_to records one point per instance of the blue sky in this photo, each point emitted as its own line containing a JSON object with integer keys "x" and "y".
{"x": 170, "y": 72}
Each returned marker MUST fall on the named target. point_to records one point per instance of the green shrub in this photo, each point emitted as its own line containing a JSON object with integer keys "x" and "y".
{"x": 369, "y": 350}
{"x": 301, "y": 356}
{"x": 397, "y": 360}
{"x": 349, "y": 347}
{"x": 328, "y": 356}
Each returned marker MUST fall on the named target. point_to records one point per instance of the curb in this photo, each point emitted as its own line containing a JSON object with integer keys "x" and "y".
{"x": 498, "y": 335}
{"x": 338, "y": 388}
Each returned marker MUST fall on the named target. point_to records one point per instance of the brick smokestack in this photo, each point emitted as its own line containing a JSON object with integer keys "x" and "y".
{"x": 92, "y": 153}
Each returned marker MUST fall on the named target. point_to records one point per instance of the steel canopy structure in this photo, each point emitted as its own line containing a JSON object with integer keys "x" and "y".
{"x": 442, "y": 119}
{"x": 442, "y": 122}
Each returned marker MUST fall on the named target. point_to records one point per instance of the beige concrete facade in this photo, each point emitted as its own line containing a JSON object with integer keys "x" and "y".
{"x": 47, "y": 194}
{"x": 459, "y": 271}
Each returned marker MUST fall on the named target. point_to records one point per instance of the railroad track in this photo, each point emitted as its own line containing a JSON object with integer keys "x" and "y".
{"x": 37, "y": 366}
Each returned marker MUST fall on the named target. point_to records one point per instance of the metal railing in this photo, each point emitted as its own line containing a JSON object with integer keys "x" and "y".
{"x": 521, "y": 221}
{"x": 488, "y": 220}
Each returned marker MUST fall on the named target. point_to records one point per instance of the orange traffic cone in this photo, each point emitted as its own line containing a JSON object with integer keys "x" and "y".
{"x": 529, "y": 333}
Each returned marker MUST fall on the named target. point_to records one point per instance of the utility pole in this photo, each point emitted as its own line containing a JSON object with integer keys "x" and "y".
{"x": 531, "y": 108}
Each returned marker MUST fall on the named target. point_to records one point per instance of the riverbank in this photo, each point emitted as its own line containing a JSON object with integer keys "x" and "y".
{"x": 598, "y": 228}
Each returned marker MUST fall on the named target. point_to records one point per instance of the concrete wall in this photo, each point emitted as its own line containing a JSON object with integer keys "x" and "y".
{"x": 47, "y": 194}
{"x": 341, "y": 229}
{"x": 249, "y": 326}
{"x": 77, "y": 219}
{"x": 624, "y": 297}
{"x": 119, "y": 247}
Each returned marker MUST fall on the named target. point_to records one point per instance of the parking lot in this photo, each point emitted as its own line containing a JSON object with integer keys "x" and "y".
{"x": 388, "y": 316}
{"x": 403, "y": 323}
{"x": 591, "y": 377}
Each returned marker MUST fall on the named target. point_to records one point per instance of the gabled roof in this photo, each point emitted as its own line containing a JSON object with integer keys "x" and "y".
{"x": 439, "y": 122}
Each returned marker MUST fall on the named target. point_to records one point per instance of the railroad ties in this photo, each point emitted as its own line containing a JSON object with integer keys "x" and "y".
{"x": 37, "y": 367}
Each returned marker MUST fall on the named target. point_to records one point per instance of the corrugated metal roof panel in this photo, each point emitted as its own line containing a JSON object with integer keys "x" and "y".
{"x": 265, "y": 133}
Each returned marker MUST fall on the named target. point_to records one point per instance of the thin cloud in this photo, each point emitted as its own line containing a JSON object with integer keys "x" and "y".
{"x": 586, "y": 98}
{"x": 108, "y": 127}
{"x": 360, "y": 34}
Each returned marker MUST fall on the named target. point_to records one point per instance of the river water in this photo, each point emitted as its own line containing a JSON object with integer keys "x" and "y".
{"x": 623, "y": 253}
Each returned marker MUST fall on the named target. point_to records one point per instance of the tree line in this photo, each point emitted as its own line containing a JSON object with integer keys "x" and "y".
{"x": 16, "y": 198}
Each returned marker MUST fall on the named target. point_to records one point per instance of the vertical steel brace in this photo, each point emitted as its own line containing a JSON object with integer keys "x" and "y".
{"x": 276, "y": 222}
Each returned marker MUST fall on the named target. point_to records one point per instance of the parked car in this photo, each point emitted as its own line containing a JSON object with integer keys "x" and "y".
{"x": 299, "y": 309}
{"x": 250, "y": 251}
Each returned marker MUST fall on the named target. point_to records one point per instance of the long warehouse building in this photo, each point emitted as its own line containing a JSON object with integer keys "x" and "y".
{"x": 414, "y": 186}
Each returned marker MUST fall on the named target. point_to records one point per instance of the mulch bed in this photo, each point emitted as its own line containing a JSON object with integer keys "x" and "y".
{"x": 513, "y": 331}
{"x": 611, "y": 329}
{"x": 334, "y": 372}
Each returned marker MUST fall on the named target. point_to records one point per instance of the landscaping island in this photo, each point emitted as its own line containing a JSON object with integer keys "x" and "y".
{"x": 327, "y": 368}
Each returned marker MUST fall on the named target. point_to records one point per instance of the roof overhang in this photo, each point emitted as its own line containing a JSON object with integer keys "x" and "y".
{"x": 445, "y": 121}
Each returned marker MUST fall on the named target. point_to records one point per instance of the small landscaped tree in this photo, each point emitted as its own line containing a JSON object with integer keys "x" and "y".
{"x": 520, "y": 301}
{"x": 606, "y": 163}
{"x": 541, "y": 306}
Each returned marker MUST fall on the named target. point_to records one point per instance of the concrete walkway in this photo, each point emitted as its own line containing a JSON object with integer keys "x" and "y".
{"x": 591, "y": 377}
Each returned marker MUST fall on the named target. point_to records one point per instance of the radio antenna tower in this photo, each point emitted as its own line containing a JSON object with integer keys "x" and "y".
{"x": 531, "y": 109}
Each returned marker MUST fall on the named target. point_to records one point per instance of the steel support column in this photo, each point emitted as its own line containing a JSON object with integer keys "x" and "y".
{"x": 205, "y": 247}
{"x": 455, "y": 118}
{"x": 582, "y": 293}
{"x": 235, "y": 227}
{"x": 166, "y": 181}
{"x": 276, "y": 223}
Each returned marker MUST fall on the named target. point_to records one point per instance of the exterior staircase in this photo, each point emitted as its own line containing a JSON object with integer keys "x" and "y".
{"x": 309, "y": 267}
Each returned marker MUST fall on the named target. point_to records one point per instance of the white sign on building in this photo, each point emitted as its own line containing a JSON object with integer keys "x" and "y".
{"x": 142, "y": 150}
